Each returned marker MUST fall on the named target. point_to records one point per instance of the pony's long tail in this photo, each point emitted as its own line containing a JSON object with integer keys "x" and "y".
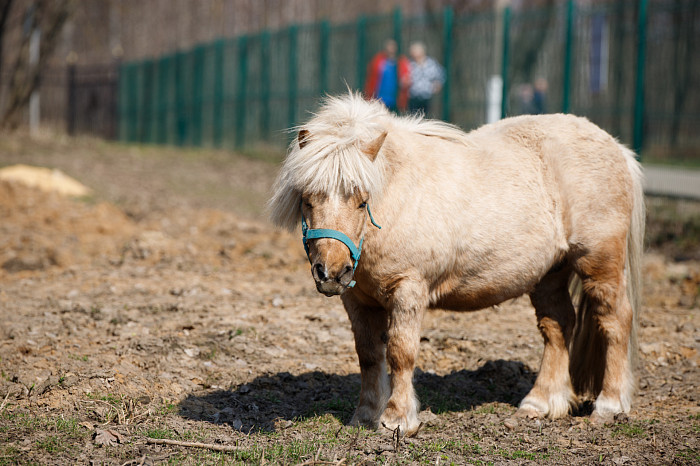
{"x": 587, "y": 345}
{"x": 635, "y": 249}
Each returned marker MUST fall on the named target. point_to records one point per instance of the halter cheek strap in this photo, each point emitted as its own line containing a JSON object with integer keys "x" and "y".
{"x": 355, "y": 251}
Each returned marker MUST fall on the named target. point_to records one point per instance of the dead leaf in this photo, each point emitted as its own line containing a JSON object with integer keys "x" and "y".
{"x": 107, "y": 437}
{"x": 198, "y": 381}
{"x": 88, "y": 425}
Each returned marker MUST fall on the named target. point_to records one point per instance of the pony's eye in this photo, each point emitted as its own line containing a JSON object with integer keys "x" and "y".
{"x": 362, "y": 206}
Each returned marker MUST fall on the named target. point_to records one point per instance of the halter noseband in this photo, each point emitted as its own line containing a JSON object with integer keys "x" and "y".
{"x": 315, "y": 233}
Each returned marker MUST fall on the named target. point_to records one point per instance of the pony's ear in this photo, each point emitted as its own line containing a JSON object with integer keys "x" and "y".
{"x": 303, "y": 138}
{"x": 371, "y": 149}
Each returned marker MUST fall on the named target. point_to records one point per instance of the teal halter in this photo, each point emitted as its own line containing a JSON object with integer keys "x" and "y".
{"x": 315, "y": 233}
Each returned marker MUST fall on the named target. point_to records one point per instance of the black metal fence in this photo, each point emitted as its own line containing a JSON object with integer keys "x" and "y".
{"x": 92, "y": 100}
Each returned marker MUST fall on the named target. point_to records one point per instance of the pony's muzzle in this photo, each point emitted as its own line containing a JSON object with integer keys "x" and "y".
{"x": 332, "y": 281}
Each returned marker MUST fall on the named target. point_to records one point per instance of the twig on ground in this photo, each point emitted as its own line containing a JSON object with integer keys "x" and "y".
{"x": 352, "y": 444}
{"x": 315, "y": 462}
{"x": 208, "y": 446}
{"x": 396, "y": 437}
{"x": 4, "y": 402}
{"x": 141, "y": 462}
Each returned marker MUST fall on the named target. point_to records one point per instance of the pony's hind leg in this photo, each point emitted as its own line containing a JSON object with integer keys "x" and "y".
{"x": 552, "y": 395}
{"x": 601, "y": 353}
{"x": 369, "y": 327}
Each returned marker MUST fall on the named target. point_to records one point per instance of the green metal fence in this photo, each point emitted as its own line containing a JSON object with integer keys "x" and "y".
{"x": 629, "y": 66}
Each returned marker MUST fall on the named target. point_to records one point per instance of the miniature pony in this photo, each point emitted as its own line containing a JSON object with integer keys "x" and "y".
{"x": 550, "y": 206}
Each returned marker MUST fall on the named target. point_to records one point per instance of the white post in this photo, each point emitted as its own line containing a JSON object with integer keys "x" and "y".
{"x": 494, "y": 85}
{"x": 34, "y": 107}
{"x": 494, "y": 94}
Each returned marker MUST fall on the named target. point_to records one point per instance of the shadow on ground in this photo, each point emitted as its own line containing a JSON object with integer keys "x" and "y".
{"x": 268, "y": 400}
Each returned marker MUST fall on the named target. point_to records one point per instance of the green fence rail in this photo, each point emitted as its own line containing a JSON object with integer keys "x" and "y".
{"x": 631, "y": 67}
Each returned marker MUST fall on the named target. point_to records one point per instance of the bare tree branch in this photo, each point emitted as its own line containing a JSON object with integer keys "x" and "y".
{"x": 50, "y": 16}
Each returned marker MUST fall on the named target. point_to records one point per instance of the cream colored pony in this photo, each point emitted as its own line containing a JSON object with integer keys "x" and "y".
{"x": 536, "y": 205}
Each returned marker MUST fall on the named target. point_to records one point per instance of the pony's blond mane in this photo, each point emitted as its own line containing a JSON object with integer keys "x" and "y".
{"x": 332, "y": 159}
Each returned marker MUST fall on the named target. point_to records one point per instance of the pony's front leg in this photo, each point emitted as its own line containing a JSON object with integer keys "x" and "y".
{"x": 369, "y": 325}
{"x": 405, "y": 317}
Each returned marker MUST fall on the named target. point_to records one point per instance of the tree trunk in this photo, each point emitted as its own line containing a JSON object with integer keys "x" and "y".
{"x": 50, "y": 16}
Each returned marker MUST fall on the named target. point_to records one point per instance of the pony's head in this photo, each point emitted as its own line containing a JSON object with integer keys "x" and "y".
{"x": 333, "y": 172}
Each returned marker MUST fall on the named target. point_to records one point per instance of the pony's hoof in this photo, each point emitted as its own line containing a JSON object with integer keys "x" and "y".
{"x": 528, "y": 412}
{"x": 399, "y": 426}
{"x": 531, "y": 409}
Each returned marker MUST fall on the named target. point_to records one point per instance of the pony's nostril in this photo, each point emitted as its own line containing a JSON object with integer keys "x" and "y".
{"x": 320, "y": 273}
{"x": 346, "y": 271}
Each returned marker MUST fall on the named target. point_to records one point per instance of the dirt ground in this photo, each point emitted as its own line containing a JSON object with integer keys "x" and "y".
{"x": 165, "y": 307}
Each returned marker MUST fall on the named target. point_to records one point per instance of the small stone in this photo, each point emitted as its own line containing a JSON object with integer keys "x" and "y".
{"x": 622, "y": 460}
{"x": 510, "y": 423}
{"x": 191, "y": 352}
{"x": 283, "y": 424}
{"x": 427, "y": 417}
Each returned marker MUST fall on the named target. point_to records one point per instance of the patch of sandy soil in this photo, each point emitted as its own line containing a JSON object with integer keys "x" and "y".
{"x": 153, "y": 311}
{"x": 45, "y": 179}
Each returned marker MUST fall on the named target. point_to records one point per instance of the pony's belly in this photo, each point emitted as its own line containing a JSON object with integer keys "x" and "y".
{"x": 470, "y": 295}
{"x": 472, "y": 301}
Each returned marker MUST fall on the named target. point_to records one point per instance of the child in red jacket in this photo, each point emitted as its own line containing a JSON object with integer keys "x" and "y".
{"x": 382, "y": 81}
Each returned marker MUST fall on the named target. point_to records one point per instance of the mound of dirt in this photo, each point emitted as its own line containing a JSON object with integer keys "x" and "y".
{"x": 43, "y": 228}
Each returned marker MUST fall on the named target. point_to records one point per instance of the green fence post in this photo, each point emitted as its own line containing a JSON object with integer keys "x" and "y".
{"x": 171, "y": 112}
{"x": 181, "y": 122}
{"x": 291, "y": 115}
{"x": 324, "y": 52}
{"x": 568, "y": 47}
{"x": 398, "y": 26}
{"x": 147, "y": 108}
{"x": 265, "y": 84}
{"x": 361, "y": 53}
{"x": 138, "y": 102}
{"x": 136, "y": 109}
{"x": 197, "y": 95}
{"x": 218, "y": 99}
{"x": 132, "y": 102}
{"x": 160, "y": 101}
{"x": 638, "y": 130}
{"x": 505, "y": 61}
{"x": 447, "y": 22}
{"x": 241, "y": 94}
